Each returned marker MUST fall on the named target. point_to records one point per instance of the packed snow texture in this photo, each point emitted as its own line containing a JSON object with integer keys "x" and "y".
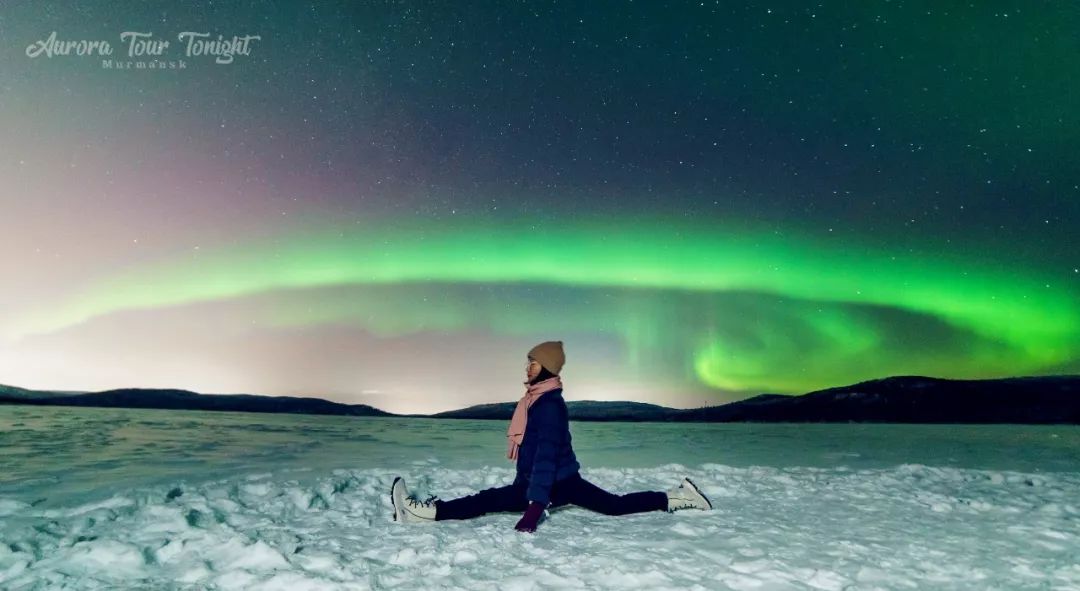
{"x": 295, "y": 528}
{"x": 912, "y": 527}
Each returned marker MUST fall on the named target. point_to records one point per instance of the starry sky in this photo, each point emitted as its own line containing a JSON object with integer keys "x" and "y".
{"x": 390, "y": 202}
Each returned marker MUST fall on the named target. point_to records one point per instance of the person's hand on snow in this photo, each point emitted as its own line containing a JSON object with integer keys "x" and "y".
{"x": 531, "y": 518}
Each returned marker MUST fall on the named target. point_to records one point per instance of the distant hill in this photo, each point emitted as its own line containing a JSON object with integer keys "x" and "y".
{"x": 901, "y": 399}
{"x": 580, "y": 410}
{"x": 11, "y": 392}
{"x": 187, "y": 400}
{"x": 914, "y": 399}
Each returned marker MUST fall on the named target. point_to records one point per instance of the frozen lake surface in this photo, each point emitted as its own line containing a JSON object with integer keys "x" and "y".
{"x": 137, "y": 499}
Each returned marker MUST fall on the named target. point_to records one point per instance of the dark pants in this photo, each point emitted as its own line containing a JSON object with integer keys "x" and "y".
{"x": 574, "y": 490}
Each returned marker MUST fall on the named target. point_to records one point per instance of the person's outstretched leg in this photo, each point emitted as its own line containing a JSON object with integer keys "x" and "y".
{"x": 585, "y": 494}
{"x": 493, "y": 500}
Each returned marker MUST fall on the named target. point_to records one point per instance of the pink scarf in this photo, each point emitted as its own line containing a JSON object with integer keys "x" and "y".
{"x": 521, "y": 414}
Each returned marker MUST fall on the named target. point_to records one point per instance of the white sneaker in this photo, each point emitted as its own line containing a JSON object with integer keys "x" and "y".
{"x": 408, "y": 509}
{"x": 687, "y": 496}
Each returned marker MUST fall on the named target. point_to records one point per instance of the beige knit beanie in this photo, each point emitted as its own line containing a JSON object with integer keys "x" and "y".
{"x": 550, "y": 355}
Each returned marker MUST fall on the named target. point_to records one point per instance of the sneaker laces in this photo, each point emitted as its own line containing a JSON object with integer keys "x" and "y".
{"x": 681, "y": 493}
{"x": 415, "y": 502}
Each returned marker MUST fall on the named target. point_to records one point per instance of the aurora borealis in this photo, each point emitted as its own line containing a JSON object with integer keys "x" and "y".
{"x": 389, "y": 204}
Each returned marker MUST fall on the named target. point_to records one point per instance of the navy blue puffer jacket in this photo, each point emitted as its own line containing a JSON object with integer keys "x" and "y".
{"x": 545, "y": 455}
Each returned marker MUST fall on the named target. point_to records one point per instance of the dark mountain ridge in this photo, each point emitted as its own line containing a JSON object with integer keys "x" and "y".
{"x": 580, "y": 410}
{"x": 915, "y": 399}
{"x": 898, "y": 399}
{"x": 171, "y": 399}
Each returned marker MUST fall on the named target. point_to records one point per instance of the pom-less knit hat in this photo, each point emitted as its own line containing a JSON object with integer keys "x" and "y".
{"x": 550, "y": 355}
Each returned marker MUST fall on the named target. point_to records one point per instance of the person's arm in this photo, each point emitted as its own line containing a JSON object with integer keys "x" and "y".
{"x": 548, "y": 430}
{"x": 549, "y": 435}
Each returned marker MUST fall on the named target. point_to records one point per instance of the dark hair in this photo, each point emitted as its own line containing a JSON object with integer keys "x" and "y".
{"x": 543, "y": 375}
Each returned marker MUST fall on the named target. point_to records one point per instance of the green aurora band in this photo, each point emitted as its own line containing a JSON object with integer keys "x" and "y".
{"x": 1013, "y": 322}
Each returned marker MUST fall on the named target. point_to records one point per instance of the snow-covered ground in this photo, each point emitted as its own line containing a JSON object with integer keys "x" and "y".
{"x": 302, "y": 523}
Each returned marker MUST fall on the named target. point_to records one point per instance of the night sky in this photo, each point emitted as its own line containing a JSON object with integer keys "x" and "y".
{"x": 391, "y": 202}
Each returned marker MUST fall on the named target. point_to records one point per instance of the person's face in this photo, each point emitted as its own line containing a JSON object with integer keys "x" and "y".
{"x": 532, "y": 369}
